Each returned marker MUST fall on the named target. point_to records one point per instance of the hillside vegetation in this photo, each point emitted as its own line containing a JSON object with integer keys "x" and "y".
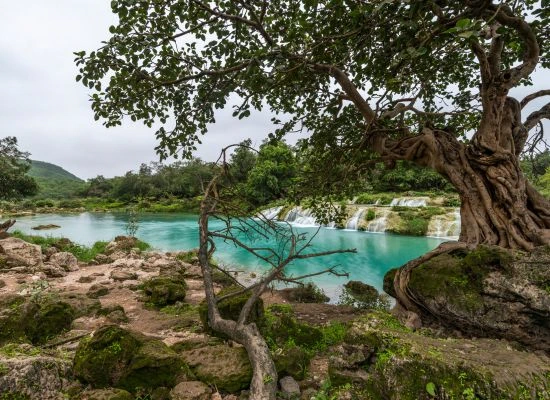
{"x": 54, "y": 181}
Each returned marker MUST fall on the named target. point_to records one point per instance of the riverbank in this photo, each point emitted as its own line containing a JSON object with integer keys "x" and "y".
{"x": 127, "y": 325}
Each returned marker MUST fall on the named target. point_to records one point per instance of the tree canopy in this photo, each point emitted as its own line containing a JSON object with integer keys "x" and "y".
{"x": 14, "y": 164}
{"x": 386, "y": 80}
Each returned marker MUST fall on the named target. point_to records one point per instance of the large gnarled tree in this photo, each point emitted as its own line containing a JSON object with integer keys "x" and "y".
{"x": 424, "y": 81}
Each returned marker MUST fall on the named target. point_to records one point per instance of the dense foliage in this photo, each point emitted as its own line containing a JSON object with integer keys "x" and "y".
{"x": 53, "y": 181}
{"x": 14, "y": 164}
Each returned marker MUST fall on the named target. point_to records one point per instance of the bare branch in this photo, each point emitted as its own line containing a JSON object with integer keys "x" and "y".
{"x": 535, "y": 117}
{"x": 534, "y": 96}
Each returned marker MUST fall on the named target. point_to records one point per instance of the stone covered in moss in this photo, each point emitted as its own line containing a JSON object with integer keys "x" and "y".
{"x": 291, "y": 361}
{"x": 46, "y": 319}
{"x": 383, "y": 359}
{"x": 164, "y": 290}
{"x": 11, "y": 318}
{"x": 226, "y": 368}
{"x": 282, "y": 329}
{"x": 231, "y": 308}
{"x": 120, "y": 358}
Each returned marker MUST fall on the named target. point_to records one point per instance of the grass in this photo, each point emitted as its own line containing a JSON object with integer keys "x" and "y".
{"x": 81, "y": 252}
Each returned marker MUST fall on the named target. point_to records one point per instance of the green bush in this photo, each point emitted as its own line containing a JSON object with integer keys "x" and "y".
{"x": 371, "y": 215}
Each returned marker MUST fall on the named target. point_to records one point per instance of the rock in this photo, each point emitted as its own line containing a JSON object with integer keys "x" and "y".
{"x": 289, "y": 387}
{"x": 81, "y": 304}
{"x": 2, "y": 283}
{"x": 50, "y": 251}
{"x": 114, "y": 314}
{"x": 45, "y": 318}
{"x": 164, "y": 290}
{"x": 15, "y": 252}
{"x": 106, "y": 394}
{"x": 192, "y": 390}
{"x": 97, "y": 290}
{"x": 86, "y": 279}
{"x": 121, "y": 243}
{"x": 488, "y": 292}
{"x": 309, "y": 293}
{"x": 382, "y": 359}
{"x": 128, "y": 263}
{"x": 65, "y": 260}
{"x": 227, "y": 368}
{"x": 120, "y": 276}
{"x": 103, "y": 259}
{"x": 34, "y": 378}
{"x": 53, "y": 271}
{"x": 11, "y": 318}
{"x": 124, "y": 359}
{"x": 45, "y": 227}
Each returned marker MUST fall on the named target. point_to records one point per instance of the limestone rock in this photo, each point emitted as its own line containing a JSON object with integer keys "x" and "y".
{"x": 124, "y": 359}
{"x": 15, "y": 252}
{"x": 65, "y": 260}
{"x": 120, "y": 276}
{"x": 34, "y": 378}
{"x": 488, "y": 292}
{"x": 164, "y": 290}
{"x": 227, "y": 368}
{"x": 103, "y": 259}
{"x": 97, "y": 290}
{"x": 53, "y": 271}
{"x": 192, "y": 390}
{"x": 128, "y": 263}
{"x": 121, "y": 243}
{"x": 289, "y": 387}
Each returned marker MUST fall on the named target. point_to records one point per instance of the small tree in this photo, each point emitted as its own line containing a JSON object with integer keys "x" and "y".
{"x": 219, "y": 204}
{"x": 14, "y": 164}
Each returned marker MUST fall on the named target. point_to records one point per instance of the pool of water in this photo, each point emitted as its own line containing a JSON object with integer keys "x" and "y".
{"x": 376, "y": 253}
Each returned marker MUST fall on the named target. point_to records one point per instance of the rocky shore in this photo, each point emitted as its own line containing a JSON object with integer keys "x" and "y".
{"x": 130, "y": 325}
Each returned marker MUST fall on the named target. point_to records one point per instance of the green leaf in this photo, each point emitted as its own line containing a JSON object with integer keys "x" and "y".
{"x": 78, "y": 78}
{"x": 430, "y": 388}
{"x": 464, "y": 23}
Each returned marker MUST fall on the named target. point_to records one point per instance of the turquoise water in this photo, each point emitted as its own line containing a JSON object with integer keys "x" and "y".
{"x": 376, "y": 253}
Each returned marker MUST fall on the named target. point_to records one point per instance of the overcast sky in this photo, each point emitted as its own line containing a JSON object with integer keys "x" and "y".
{"x": 41, "y": 103}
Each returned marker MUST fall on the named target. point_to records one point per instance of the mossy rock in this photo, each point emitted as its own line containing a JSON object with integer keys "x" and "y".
{"x": 11, "y": 318}
{"x": 292, "y": 361}
{"x": 308, "y": 293}
{"x": 231, "y": 308}
{"x": 46, "y": 319}
{"x": 226, "y": 368}
{"x": 282, "y": 329}
{"x": 124, "y": 359}
{"x": 164, "y": 290}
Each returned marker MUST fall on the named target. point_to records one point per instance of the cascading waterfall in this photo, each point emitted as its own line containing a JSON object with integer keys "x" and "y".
{"x": 445, "y": 226}
{"x": 353, "y": 222}
{"x": 271, "y": 213}
{"x": 299, "y": 217}
{"x": 409, "y": 202}
{"x": 380, "y": 222}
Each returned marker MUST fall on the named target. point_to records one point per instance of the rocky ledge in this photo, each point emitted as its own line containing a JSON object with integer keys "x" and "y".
{"x": 128, "y": 326}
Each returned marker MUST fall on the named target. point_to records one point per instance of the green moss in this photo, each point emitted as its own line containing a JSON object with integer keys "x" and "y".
{"x": 292, "y": 361}
{"x": 11, "y": 318}
{"x": 4, "y": 369}
{"x": 283, "y": 330}
{"x": 164, "y": 290}
{"x": 18, "y": 349}
{"x": 47, "y": 319}
{"x": 414, "y": 221}
{"x": 13, "y": 396}
{"x": 127, "y": 360}
{"x": 231, "y": 307}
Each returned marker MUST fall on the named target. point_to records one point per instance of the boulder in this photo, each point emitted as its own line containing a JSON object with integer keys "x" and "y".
{"x": 65, "y": 260}
{"x": 308, "y": 293}
{"x": 97, "y": 290}
{"x": 289, "y": 387}
{"x": 34, "y": 377}
{"x": 192, "y": 390}
{"x": 53, "y": 271}
{"x": 121, "y": 243}
{"x": 45, "y": 318}
{"x": 227, "y": 368}
{"x": 488, "y": 292}
{"x": 11, "y": 318}
{"x": 128, "y": 263}
{"x": 291, "y": 360}
{"x": 120, "y": 276}
{"x": 382, "y": 359}
{"x": 103, "y": 259}
{"x": 124, "y": 359}
{"x": 164, "y": 290}
{"x": 15, "y": 252}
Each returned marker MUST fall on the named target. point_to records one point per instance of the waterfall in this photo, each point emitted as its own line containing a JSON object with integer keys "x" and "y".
{"x": 379, "y": 224}
{"x": 299, "y": 217}
{"x": 270, "y": 213}
{"x": 445, "y": 226}
{"x": 353, "y": 222}
{"x": 409, "y": 202}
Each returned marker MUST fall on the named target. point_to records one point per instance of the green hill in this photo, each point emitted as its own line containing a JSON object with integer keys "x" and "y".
{"x": 54, "y": 181}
